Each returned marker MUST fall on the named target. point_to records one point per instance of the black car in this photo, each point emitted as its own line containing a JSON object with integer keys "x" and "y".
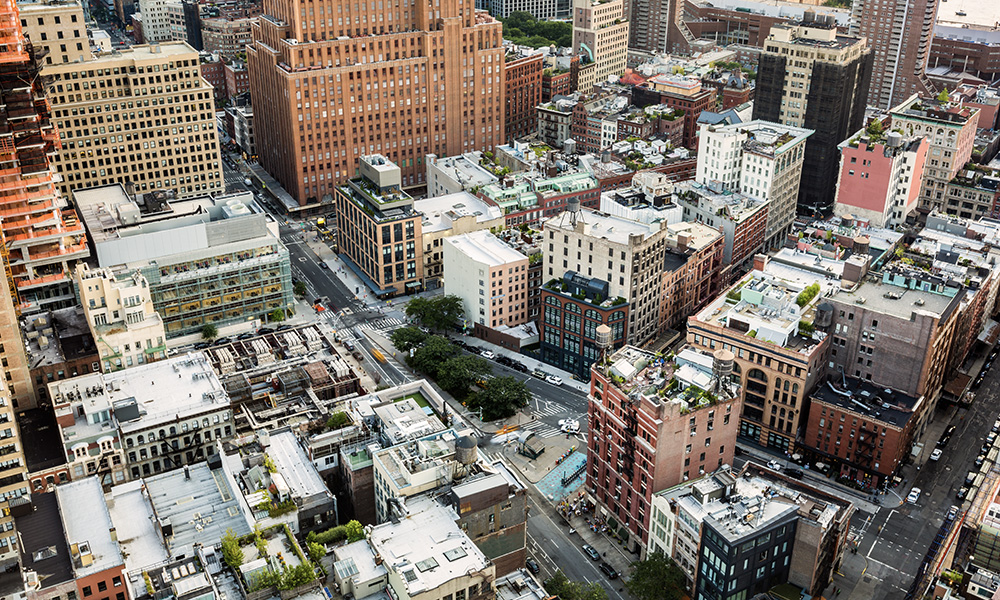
{"x": 941, "y": 443}
{"x": 532, "y": 565}
{"x": 222, "y": 341}
{"x": 609, "y": 570}
{"x": 951, "y": 429}
{"x": 264, "y": 331}
{"x": 201, "y": 345}
{"x": 794, "y": 473}
{"x": 283, "y": 327}
{"x": 245, "y": 336}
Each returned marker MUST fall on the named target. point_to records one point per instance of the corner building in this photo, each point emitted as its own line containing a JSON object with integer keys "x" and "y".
{"x": 395, "y": 77}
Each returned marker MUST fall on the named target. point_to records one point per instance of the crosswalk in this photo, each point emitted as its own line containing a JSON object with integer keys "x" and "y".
{"x": 385, "y": 325}
{"x": 542, "y": 430}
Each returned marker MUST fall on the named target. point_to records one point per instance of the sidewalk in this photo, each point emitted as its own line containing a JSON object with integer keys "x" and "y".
{"x": 530, "y": 362}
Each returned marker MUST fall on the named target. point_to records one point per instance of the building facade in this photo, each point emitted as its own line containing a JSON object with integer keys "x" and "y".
{"x": 523, "y": 82}
{"x": 225, "y": 37}
{"x": 679, "y": 93}
{"x": 57, "y": 30}
{"x": 880, "y": 178}
{"x": 489, "y": 276}
{"x": 693, "y": 273}
{"x": 600, "y": 31}
{"x": 439, "y": 106}
{"x": 811, "y": 76}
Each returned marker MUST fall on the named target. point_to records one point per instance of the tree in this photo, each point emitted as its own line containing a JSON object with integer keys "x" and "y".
{"x": 501, "y": 397}
{"x": 355, "y": 531}
{"x": 806, "y": 295}
{"x": 438, "y": 313}
{"x": 656, "y": 578}
{"x": 232, "y": 554}
{"x": 278, "y": 315}
{"x": 562, "y": 586}
{"x": 316, "y": 551}
{"x": 299, "y": 288}
{"x": 407, "y": 338}
{"x": 434, "y": 353}
{"x": 209, "y": 331}
{"x": 460, "y": 372}
{"x": 944, "y": 96}
{"x": 338, "y": 420}
{"x": 875, "y": 128}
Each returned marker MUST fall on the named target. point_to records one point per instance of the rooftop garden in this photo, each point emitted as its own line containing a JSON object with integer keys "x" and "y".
{"x": 377, "y": 195}
{"x": 285, "y": 565}
{"x": 490, "y": 165}
{"x": 560, "y": 286}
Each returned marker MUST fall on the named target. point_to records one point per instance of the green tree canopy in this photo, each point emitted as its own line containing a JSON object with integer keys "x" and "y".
{"x": 299, "y": 288}
{"x": 460, "y": 372}
{"x": 501, "y": 398}
{"x": 209, "y": 331}
{"x": 278, "y": 315}
{"x": 567, "y": 589}
{"x": 338, "y": 420}
{"x": 656, "y": 578}
{"x": 438, "y": 312}
{"x": 355, "y": 531}
{"x": 406, "y": 338}
{"x": 232, "y": 554}
{"x": 434, "y": 353}
{"x": 524, "y": 29}
{"x": 944, "y": 96}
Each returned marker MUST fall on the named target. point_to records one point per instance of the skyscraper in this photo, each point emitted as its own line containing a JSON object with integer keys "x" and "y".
{"x": 900, "y": 32}
{"x": 600, "y": 30}
{"x": 811, "y": 76}
{"x": 405, "y": 80}
{"x": 658, "y": 26}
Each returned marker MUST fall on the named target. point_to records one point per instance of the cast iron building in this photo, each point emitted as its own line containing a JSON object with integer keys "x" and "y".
{"x": 403, "y": 81}
{"x": 810, "y": 76}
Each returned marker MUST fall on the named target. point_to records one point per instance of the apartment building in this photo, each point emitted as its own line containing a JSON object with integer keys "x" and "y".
{"x": 13, "y": 468}
{"x": 57, "y": 30}
{"x": 742, "y": 219}
{"x": 450, "y": 215}
{"x": 377, "y": 220}
{"x": 678, "y": 92}
{"x": 207, "y": 259}
{"x": 950, "y": 130}
{"x": 751, "y": 530}
{"x": 759, "y": 159}
{"x": 118, "y": 306}
{"x": 762, "y": 320}
{"x": 156, "y": 99}
{"x": 901, "y": 34}
{"x": 58, "y": 344}
{"x": 237, "y": 78}
{"x": 594, "y": 124}
{"x": 693, "y": 271}
{"x": 527, "y": 199}
{"x": 490, "y": 277}
{"x": 453, "y": 174}
{"x": 225, "y": 37}
{"x": 414, "y": 53}
{"x": 809, "y": 75}
{"x": 523, "y": 81}
{"x": 555, "y": 117}
{"x": 540, "y": 9}
{"x": 600, "y": 31}
{"x": 243, "y": 129}
{"x": 973, "y": 194}
{"x": 646, "y": 438}
{"x": 880, "y": 177}
{"x": 978, "y": 55}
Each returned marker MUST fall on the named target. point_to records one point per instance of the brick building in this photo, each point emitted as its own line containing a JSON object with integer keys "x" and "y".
{"x": 693, "y": 271}
{"x": 679, "y": 93}
{"x": 728, "y": 25}
{"x": 523, "y": 82}
{"x": 214, "y": 72}
{"x": 973, "y": 194}
{"x": 646, "y": 438}
{"x": 880, "y": 178}
{"x": 741, "y": 218}
{"x": 556, "y": 82}
{"x": 237, "y": 78}
{"x": 226, "y": 37}
{"x": 977, "y": 54}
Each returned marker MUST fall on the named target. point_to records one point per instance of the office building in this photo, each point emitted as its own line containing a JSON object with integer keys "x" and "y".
{"x": 761, "y": 160}
{"x": 658, "y": 26}
{"x": 170, "y": 146}
{"x": 751, "y": 531}
{"x": 880, "y": 177}
{"x": 978, "y": 55}
{"x": 490, "y": 277}
{"x": 452, "y": 174}
{"x": 540, "y": 9}
{"x": 56, "y": 30}
{"x": 901, "y": 34}
{"x": 373, "y": 212}
{"x": 207, "y": 259}
{"x": 118, "y": 307}
{"x": 155, "y": 20}
{"x": 523, "y": 82}
{"x": 225, "y": 37}
{"x": 429, "y": 101}
{"x": 950, "y": 130}
{"x": 600, "y": 31}
{"x": 647, "y": 437}
{"x": 811, "y": 76}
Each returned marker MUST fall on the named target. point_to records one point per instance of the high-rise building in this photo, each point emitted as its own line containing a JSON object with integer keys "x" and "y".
{"x": 155, "y": 20}
{"x": 900, "y": 32}
{"x": 811, "y": 76}
{"x": 523, "y": 82}
{"x": 404, "y": 81}
{"x": 600, "y": 31}
{"x": 160, "y": 108}
{"x": 57, "y": 30}
{"x": 658, "y": 26}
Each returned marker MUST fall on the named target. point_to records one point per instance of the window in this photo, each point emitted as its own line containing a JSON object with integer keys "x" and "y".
{"x": 102, "y": 586}
{"x": 87, "y": 591}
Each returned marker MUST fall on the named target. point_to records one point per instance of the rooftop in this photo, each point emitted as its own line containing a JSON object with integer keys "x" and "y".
{"x": 860, "y": 396}
{"x": 399, "y": 414}
{"x": 732, "y": 206}
{"x": 43, "y": 542}
{"x": 427, "y": 549}
{"x": 135, "y": 523}
{"x": 898, "y": 301}
{"x": 358, "y": 561}
{"x": 294, "y": 465}
{"x": 698, "y": 235}
{"x": 933, "y": 110}
{"x": 819, "y": 34}
{"x": 767, "y": 138}
{"x": 88, "y": 526}
{"x": 432, "y": 454}
{"x": 591, "y": 223}
{"x": 519, "y": 585}
{"x": 686, "y": 381}
{"x": 465, "y": 169}
{"x": 58, "y": 336}
{"x": 485, "y": 248}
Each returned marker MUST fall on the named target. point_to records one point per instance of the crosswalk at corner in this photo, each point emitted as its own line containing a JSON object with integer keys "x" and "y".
{"x": 384, "y": 325}
{"x": 542, "y": 430}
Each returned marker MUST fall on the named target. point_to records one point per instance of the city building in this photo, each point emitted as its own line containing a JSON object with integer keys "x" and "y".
{"x": 554, "y": 120}
{"x": 767, "y": 320}
{"x": 213, "y": 70}
{"x": 243, "y": 129}
{"x": 973, "y": 194}
{"x": 523, "y": 82}
{"x": 540, "y": 9}
{"x": 373, "y": 212}
{"x": 900, "y": 34}
{"x": 155, "y": 21}
{"x": 599, "y": 269}
{"x": 414, "y": 53}
{"x": 160, "y": 429}
{"x": 449, "y": 215}
{"x": 453, "y": 174}
{"x": 225, "y": 37}
{"x": 207, "y": 259}
{"x": 118, "y": 307}
{"x": 557, "y": 81}
{"x": 693, "y": 271}
{"x": 950, "y": 130}
{"x": 155, "y": 152}
{"x": 761, "y": 160}
{"x": 600, "y": 31}
{"x": 751, "y": 531}
{"x": 656, "y": 423}
{"x": 880, "y": 177}
{"x": 526, "y": 199}
{"x": 58, "y": 345}
{"x": 742, "y": 219}
{"x": 501, "y": 295}
{"x": 594, "y": 124}
{"x": 809, "y": 75}
{"x": 863, "y": 431}
{"x": 680, "y": 93}
{"x": 659, "y": 26}
{"x": 13, "y": 470}
{"x": 977, "y": 55}
{"x": 57, "y": 30}
{"x": 237, "y": 78}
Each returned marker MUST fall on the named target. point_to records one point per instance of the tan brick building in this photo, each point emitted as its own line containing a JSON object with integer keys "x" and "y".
{"x": 600, "y": 31}
{"x": 151, "y": 123}
{"x": 399, "y": 81}
{"x": 57, "y": 31}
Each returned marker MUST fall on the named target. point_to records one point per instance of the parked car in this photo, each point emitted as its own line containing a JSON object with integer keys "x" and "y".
{"x": 222, "y": 341}
{"x": 951, "y": 429}
{"x": 962, "y": 493}
{"x": 553, "y": 380}
{"x": 980, "y": 459}
{"x": 349, "y": 345}
{"x": 488, "y": 354}
{"x": 794, "y": 473}
{"x": 991, "y": 437}
{"x": 539, "y": 373}
{"x": 970, "y": 478}
{"x": 952, "y": 513}
{"x": 936, "y": 455}
{"x": 591, "y": 552}
{"x": 941, "y": 443}
{"x": 609, "y": 570}
{"x": 913, "y": 496}
{"x": 996, "y": 425}
{"x": 323, "y": 265}
{"x": 201, "y": 345}
{"x": 532, "y": 565}
{"x": 245, "y": 336}
{"x": 774, "y": 465}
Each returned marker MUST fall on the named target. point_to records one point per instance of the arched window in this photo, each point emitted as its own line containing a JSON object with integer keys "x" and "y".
{"x": 552, "y": 300}
{"x": 573, "y": 308}
{"x": 757, "y": 374}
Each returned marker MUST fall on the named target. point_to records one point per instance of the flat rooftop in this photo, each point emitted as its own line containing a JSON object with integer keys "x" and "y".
{"x": 135, "y": 523}
{"x": 88, "y": 525}
{"x": 856, "y": 395}
{"x": 897, "y": 301}
{"x": 698, "y": 235}
{"x": 636, "y": 371}
{"x": 485, "y": 248}
{"x": 733, "y": 206}
{"x": 54, "y": 337}
{"x": 427, "y": 549}
{"x": 441, "y": 212}
{"x": 599, "y": 225}
{"x": 464, "y": 169}
{"x": 294, "y": 465}
{"x": 401, "y": 416}
{"x": 43, "y": 542}
{"x": 43, "y": 449}
{"x": 357, "y": 558}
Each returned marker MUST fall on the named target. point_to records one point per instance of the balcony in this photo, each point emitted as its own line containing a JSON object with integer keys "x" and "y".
{"x": 45, "y": 234}
{"x": 65, "y": 251}
{"x": 26, "y": 284}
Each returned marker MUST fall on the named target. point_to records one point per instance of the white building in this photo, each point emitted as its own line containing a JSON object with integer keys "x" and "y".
{"x": 490, "y": 276}
{"x": 243, "y": 129}
{"x": 155, "y": 20}
{"x": 760, "y": 159}
{"x": 452, "y": 174}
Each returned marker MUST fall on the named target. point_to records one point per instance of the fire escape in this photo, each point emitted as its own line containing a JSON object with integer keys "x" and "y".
{"x": 865, "y": 448}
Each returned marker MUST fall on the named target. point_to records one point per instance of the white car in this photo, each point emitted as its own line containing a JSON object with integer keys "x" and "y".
{"x": 913, "y": 496}
{"x": 774, "y": 465}
{"x": 553, "y": 380}
{"x": 488, "y": 354}
{"x": 936, "y": 454}
{"x": 569, "y": 426}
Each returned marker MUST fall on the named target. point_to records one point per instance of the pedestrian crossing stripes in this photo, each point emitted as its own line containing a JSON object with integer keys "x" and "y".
{"x": 384, "y": 324}
{"x": 542, "y": 430}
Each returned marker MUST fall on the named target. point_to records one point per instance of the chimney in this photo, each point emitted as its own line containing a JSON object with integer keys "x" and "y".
{"x": 683, "y": 239}
{"x": 760, "y": 262}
